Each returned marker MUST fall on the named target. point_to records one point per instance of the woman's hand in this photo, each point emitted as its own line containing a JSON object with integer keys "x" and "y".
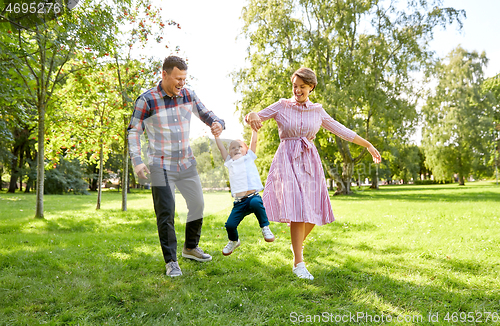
{"x": 375, "y": 154}
{"x": 254, "y": 121}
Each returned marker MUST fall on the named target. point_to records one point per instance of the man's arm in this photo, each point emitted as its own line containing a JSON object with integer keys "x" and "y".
{"x": 135, "y": 130}
{"x": 253, "y": 141}
{"x": 205, "y": 115}
{"x": 221, "y": 147}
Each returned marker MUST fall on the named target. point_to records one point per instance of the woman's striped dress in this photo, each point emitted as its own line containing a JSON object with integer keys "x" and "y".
{"x": 296, "y": 188}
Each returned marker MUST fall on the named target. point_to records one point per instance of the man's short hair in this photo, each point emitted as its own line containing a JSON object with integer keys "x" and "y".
{"x": 173, "y": 61}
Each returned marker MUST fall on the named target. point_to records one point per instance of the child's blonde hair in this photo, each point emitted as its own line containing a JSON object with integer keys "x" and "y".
{"x": 246, "y": 146}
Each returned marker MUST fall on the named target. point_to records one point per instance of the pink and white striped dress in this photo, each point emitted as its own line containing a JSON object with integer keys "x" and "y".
{"x": 296, "y": 188}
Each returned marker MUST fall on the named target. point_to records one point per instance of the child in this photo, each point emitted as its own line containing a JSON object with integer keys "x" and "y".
{"x": 245, "y": 186}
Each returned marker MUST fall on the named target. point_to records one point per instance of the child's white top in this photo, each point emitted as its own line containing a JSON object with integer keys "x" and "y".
{"x": 243, "y": 174}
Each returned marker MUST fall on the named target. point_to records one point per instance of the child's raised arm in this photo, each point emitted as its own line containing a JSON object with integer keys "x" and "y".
{"x": 253, "y": 141}
{"x": 221, "y": 147}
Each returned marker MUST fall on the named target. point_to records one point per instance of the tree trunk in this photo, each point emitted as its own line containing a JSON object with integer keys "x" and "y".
{"x": 347, "y": 172}
{"x": 133, "y": 181}
{"x": 99, "y": 182}
{"x": 40, "y": 169}
{"x": 125, "y": 188}
{"x": 29, "y": 183}
{"x": 93, "y": 181}
{"x": 375, "y": 179}
{"x": 21, "y": 164}
{"x": 334, "y": 176}
{"x": 14, "y": 170}
{"x": 461, "y": 180}
{"x": 344, "y": 184}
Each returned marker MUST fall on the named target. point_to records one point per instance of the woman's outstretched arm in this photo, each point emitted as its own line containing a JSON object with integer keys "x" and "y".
{"x": 365, "y": 143}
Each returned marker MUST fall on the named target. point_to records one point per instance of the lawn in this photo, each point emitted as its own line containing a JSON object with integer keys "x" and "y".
{"x": 403, "y": 255}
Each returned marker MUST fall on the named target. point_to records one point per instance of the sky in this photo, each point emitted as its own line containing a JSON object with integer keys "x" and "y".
{"x": 210, "y": 37}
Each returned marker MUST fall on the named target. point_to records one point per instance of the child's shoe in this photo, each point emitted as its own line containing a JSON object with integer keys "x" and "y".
{"x": 302, "y": 272}
{"x": 229, "y": 248}
{"x": 268, "y": 235}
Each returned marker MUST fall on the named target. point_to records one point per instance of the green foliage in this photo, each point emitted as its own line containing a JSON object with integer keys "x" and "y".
{"x": 68, "y": 176}
{"x": 5, "y": 139}
{"x": 491, "y": 88}
{"x": 404, "y": 163}
{"x": 432, "y": 182}
{"x": 41, "y": 57}
{"x": 15, "y": 119}
{"x": 400, "y": 251}
{"x": 458, "y": 117}
{"x": 210, "y": 164}
{"x": 93, "y": 111}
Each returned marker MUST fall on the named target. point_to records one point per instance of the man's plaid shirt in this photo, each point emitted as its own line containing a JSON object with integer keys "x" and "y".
{"x": 166, "y": 121}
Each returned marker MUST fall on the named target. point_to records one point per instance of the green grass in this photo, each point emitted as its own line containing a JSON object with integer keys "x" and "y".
{"x": 403, "y": 252}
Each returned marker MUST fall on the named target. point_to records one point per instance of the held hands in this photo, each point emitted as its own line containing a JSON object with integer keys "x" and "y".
{"x": 216, "y": 129}
{"x": 254, "y": 121}
{"x": 141, "y": 170}
{"x": 375, "y": 154}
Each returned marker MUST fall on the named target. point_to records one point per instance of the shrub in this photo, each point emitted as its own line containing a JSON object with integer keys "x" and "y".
{"x": 432, "y": 182}
{"x": 67, "y": 176}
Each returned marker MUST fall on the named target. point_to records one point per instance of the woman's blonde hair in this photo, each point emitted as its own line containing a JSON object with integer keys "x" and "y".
{"x": 307, "y": 75}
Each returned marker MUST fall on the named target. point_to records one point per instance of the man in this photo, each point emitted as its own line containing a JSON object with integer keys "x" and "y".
{"x": 164, "y": 112}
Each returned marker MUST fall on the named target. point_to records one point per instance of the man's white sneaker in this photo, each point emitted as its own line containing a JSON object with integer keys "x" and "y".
{"x": 267, "y": 234}
{"x": 302, "y": 272}
{"x": 229, "y": 248}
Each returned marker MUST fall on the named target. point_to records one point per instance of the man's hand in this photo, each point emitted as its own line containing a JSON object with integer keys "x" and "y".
{"x": 141, "y": 170}
{"x": 216, "y": 129}
{"x": 254, "y": 121}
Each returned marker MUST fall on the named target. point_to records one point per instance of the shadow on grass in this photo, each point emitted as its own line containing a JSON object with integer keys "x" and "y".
{"x": 256, "y": 281}
{"x": 437, "y": 283}
{"x": 394, "y": 254}
{"x": 112, "y": 266}
{"x": 423, "y": 195}
{"x": 351, "y": 287}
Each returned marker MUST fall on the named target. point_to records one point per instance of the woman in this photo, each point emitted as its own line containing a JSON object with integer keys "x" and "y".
{"x": 295, "y": 190}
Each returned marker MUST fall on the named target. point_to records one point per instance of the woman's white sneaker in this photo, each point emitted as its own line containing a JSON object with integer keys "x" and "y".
{"x": 229, "y": 248}
{"x": 302, "y": 272}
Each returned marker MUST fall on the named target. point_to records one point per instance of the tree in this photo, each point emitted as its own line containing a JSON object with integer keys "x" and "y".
{"x": 93, "y": 114}
{"x": 147, "y": 26}
{"x": 404, "y": 163}
{"x": 39, "y": 49}
{"x": 363, "y": 52}
{"x": 89, "y": 122}
{"x": 46, "y": 50}
{"x": 422, "y": 168}
{"x": 16, "y": 145}
{"x": 16, "y": 118}
{"x": 210, "y": 164}
{"x": 457, "y": 116}
{"x": 491, "y": 87}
